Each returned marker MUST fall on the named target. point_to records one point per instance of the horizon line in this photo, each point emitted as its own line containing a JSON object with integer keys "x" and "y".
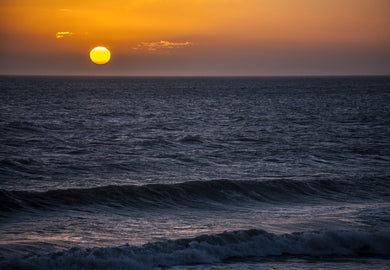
{"x": 194, "y": 76}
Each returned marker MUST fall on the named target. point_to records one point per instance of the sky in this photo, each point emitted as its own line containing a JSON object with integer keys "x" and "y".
{"x": 196, "y": 37}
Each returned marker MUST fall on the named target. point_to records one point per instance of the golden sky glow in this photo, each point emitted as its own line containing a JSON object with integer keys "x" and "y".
{"x": 197, "y": 37}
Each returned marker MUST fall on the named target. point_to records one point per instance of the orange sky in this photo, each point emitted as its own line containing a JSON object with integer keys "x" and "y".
{"x": 196, "y": 37}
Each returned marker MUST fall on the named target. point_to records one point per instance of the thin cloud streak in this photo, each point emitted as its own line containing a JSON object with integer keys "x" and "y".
{"x": 156, "y": 46}
{"x": 64, "y": 34}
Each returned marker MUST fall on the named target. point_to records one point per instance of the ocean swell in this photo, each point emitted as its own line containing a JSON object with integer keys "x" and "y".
{"x": 199, "y": 192}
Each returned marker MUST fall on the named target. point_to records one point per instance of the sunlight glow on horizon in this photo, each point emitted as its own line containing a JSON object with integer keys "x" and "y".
{"x": 193, "y": 37}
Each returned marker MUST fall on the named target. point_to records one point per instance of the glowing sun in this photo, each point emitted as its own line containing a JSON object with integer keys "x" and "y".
{"x": 100, "y": 55}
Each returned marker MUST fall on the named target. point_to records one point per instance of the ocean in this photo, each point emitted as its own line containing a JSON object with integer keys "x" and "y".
{"x": 195, "y": 173}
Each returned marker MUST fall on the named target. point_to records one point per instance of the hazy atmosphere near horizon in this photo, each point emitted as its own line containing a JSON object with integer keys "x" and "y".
{"x": 194, "y": 135}
{"x": 202, "y": 37}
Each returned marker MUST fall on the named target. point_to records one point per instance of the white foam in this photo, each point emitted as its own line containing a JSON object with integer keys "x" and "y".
{"x": 212, "y": 249}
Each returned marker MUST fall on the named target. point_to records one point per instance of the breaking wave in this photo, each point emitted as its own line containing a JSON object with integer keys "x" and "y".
{"x": 224, "y": 247}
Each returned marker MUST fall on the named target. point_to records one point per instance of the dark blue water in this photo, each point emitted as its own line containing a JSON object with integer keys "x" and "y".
{"x": 195, "y": 173}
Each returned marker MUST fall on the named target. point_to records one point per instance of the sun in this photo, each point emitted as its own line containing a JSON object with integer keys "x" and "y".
{"x": 100, "y": 55}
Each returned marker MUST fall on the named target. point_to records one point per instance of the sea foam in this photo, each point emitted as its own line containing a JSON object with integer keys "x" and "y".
{"x": 243, "y": 245}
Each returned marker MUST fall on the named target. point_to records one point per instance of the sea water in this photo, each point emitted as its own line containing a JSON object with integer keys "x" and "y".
{"x": 195, "y": 173}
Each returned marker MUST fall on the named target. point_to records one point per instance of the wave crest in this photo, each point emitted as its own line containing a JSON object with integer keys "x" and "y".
{"x": 197, "y": 194}
{"x": 237, "y": 245}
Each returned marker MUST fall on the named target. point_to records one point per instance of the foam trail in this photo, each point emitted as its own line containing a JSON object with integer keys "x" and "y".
{"x": 238, "y": 245}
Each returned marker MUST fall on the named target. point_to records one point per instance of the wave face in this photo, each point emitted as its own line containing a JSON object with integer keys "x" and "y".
{"x": 237, "y": 245}
{"x": 201, "y": 192}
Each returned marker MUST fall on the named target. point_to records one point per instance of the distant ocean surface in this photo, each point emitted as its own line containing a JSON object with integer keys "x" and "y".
{"x": 195, "y": 173}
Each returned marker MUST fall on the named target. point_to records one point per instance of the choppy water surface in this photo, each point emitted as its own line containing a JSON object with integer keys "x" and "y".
{"x": 194, "y": 173}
